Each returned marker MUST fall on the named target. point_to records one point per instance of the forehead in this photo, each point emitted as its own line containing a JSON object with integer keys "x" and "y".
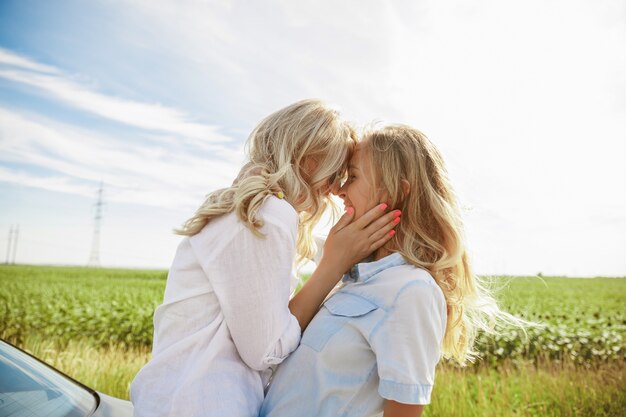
{"x": 360, "y": 160}
{"x": 358, "y": 156}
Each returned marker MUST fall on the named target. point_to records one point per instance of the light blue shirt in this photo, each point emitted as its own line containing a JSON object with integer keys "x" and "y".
{"x": 378, "y": 337}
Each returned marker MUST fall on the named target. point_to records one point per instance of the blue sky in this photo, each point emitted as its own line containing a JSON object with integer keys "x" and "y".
{"x": 527, "y": 102}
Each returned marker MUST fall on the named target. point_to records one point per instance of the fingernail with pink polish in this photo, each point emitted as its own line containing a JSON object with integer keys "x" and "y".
{"x": 350, "y": 210}
{"x": 392, "y": 232}
{"x": 397, "y": 213}
{"x": 396, "y": 220}
{"x": 383, "y": 207}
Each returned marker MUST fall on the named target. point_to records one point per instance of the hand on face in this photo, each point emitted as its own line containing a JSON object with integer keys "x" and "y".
{"x": 366, "y": 226}
{"x": 350, "y": 241}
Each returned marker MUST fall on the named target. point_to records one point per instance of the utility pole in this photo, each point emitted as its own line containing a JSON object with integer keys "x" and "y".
{"x": 94, "y": 258}
{"x": 9, "y": 244}
{"x": 16, "y": 234}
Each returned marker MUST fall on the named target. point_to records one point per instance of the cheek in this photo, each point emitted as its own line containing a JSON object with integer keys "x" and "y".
{"x": 366, "y": 198}
{"x": 362, "y": 202}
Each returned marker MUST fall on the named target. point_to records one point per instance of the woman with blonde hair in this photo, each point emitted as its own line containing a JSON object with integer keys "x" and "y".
{"x": 373, "y": 347}
{"x": 226, "y": 317}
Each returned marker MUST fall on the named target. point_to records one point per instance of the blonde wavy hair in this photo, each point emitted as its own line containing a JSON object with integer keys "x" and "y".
{"x": 301, "y": 151}
{"x": 430, "y": 235}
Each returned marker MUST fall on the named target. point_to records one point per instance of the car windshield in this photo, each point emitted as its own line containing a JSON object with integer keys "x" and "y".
{"x": 29, "y": 388}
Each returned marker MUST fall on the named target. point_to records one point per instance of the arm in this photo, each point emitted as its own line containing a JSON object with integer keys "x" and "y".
{"x": 251, "y": 278}
{"x": 396, "y": 409}
{"x": 347, "y": 244}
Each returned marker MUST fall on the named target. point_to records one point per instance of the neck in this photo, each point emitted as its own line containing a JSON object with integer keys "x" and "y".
{"x": 383, "y": 251}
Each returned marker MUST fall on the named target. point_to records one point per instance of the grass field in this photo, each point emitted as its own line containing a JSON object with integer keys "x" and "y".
{"x": 96, "y": 325}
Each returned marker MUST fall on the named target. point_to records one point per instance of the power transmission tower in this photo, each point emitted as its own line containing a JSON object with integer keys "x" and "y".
{"x": 16, "y": 234}
{"x": 10, "y": 242}
{"x": 94, "y": 258}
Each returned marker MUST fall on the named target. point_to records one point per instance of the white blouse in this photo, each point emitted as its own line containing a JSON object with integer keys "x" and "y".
{"x": 224, "y": 320}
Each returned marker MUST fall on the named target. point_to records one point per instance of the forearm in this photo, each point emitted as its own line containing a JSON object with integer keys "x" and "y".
{"x": 307, "y": 301}
{"x": 396, "y": 409}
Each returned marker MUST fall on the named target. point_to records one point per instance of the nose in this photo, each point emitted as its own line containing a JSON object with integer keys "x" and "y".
{"x": 339, "y": 191}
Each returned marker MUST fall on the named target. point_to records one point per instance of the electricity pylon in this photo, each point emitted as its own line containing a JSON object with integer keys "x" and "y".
{"x": 94, "y": 258}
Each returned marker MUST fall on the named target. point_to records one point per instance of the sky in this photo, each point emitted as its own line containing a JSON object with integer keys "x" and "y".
{"x": 154, "y": 99}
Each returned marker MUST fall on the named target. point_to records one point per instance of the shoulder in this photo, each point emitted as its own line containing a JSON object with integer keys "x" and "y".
{"x": 414, "y": 284}
{"x": 278, "y": 208}
{"x": 222, "y": 233}
{"x": 414, "y": 304}
{"x": 279, "y": 217}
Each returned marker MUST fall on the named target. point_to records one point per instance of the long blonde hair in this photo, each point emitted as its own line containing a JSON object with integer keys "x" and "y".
{"x": 306, "y": 133}
{"x": 430, "y": 235}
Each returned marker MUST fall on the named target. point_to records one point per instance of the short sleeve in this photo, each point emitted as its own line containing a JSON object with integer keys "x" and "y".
{"x": 407, "y": 343}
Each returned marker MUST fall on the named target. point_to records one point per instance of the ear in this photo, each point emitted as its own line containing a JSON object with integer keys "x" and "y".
{"x": 406, "y": 188}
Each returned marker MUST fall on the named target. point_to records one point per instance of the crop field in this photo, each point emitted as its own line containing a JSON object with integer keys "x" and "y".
{"x": 96, "y": 325}
{"x": 103, "y": 306}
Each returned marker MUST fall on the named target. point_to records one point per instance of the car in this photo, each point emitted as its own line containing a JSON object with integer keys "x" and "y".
{"x": 31, "y": 388}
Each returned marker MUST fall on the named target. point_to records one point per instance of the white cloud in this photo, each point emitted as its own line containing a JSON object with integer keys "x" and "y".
{"x": 153, "y": 117}
{"x": 58, "y": 183}
{"x": 10, "y": 58}
{"x": 133, "y": 173}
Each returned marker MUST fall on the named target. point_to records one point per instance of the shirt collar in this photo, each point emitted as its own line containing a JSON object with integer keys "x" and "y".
{"x": 365, "y": 270}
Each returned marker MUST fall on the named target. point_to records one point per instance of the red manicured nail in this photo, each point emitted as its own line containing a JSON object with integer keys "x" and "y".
{"x": 396, "y": 220}
{"x": 392, "y": 232}
{"x": 350, "y": 210}
{"x": 383, "y": 207}
{"x": 397, "y": 213}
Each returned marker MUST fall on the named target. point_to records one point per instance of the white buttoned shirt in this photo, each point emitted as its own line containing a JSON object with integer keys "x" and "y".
{"x": 224, "y": 320}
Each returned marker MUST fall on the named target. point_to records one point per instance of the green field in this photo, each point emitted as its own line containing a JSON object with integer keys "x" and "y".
{"x": 96, "y": 325}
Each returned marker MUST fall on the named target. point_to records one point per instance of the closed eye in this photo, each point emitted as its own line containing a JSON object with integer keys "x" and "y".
{"x": 348, "y": 179}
